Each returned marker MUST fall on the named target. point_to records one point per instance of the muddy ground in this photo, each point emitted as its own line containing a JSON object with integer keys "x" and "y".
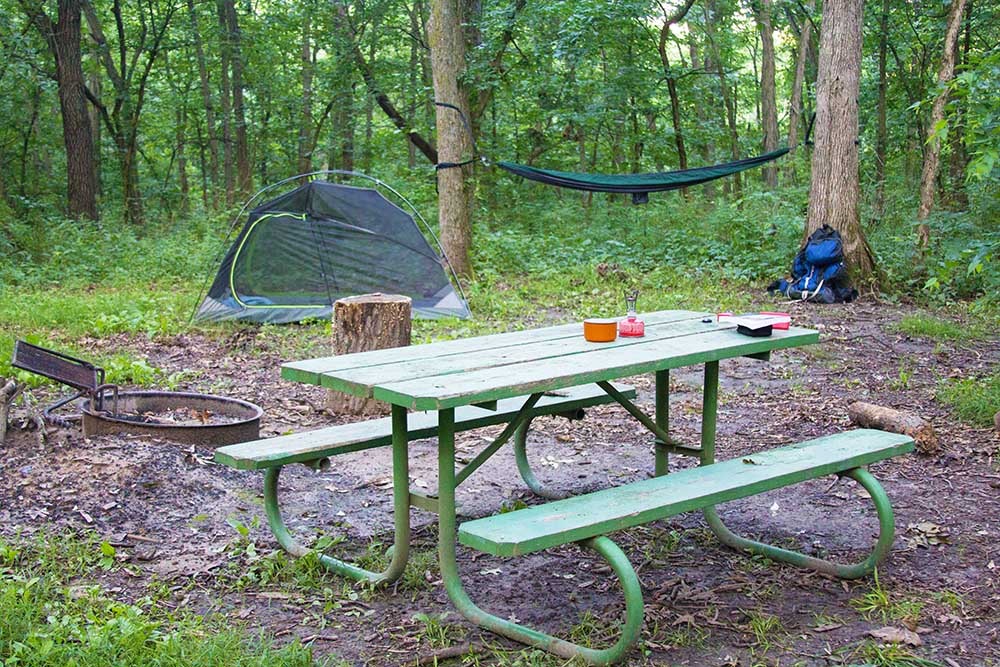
{"x": 171, "y": 513}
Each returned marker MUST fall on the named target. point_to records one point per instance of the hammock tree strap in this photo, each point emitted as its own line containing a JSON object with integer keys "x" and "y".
{"x": 639, "y": 184}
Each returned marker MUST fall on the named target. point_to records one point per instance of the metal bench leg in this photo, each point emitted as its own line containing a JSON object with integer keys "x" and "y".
{"x": 855, "y": 571}
{"x": 400, "y": 550}
{"x": 524, "y": 467}
{"x": 453, "y": 584}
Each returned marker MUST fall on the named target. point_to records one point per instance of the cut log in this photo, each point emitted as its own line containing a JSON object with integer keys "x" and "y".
{"x": 869, "y": 415}
{"x": 363, "y": 323}
{"x": 8, "y": 393}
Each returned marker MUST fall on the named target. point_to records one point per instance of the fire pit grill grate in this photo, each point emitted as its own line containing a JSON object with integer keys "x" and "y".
{"x": 224, "y": 421}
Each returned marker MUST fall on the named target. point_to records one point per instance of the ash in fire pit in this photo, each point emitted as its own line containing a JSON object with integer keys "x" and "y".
{"x": 194, "y": 419}
{"x": 179, "y": 417}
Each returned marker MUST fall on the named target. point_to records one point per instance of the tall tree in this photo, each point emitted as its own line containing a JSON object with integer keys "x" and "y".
{"x": 671, "y": 77}
{"x": 308, "y": 65}
{"x": 768, "y": 103}
{"x": 129, "y": 79}
{"x": 63, "y": 39}
{"x": 447, "y": 42}
{"x": 795, "y": 110}
{"x": 834, "y": 194}
{"x": 234, "y": 40}
{"x": 933, "y": 152}
{"x": 225, "y": 107}
{"x": 882, "y": 131}
{"x": 364, "y": 67}
{"x": 206, "y": 100}
{"x": 713, "y": 19}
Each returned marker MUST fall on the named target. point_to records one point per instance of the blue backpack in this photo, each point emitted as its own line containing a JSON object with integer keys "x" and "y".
{"x": 818, "y": 271}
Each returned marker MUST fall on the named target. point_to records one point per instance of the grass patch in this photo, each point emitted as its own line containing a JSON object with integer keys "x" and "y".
{"x": 888, "y": 655}
{"x": 50, "y": 614}
{"x": 879, "y": 603}
{"x": 935, "y": 328}
{"x": 765, "y": 628}
{"x": 973, "y": 400}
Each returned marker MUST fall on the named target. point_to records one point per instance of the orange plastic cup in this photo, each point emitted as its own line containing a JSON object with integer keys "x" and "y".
{"x": 600, "y": 330}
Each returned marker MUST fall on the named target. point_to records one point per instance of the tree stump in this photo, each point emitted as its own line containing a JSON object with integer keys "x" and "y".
{"x": 869, "y": 415}
{"x": 363, "y": 323}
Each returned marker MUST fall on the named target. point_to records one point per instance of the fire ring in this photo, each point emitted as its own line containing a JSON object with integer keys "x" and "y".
{"x": 224, "y": 421}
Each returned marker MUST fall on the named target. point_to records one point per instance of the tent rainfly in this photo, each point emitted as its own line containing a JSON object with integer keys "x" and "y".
{"x": 300, "y": 252}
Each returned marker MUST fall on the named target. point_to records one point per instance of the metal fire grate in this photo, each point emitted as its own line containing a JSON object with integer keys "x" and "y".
{"x": 83, "y": 376}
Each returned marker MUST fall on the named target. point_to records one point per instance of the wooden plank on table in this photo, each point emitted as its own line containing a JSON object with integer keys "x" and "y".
{"x": 309, "y": 371}
{"x": 357, "y": 436}
{"x": 603, "y": 512}
{"x": 444, "y": 391}
{"x": 361, "y": 381}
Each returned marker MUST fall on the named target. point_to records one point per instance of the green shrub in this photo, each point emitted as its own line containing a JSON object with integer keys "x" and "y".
{"x": 974, "y": 400}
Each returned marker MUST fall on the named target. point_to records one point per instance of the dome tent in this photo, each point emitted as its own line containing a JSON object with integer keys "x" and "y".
{"x": 298, "y": 253}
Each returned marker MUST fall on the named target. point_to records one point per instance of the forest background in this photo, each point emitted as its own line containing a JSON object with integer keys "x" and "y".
{"x": 132, "y": 132}
{"x": 133, "y": 173}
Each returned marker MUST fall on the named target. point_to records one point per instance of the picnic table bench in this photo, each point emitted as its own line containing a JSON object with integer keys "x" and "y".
{"x": 485, "y": 380}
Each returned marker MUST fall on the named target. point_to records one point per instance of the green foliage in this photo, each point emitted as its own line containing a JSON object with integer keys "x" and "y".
{"x": 888, "y": 655}
{"x": 935, "y": 328}
{"x": 973, "y": 399}
{"x": 49, "y": 616}
{"x": 878, "y": 603}
{"x": 436, "y": 631}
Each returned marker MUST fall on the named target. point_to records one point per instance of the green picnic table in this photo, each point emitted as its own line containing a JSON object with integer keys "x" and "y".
{"x": 440, "y": 388}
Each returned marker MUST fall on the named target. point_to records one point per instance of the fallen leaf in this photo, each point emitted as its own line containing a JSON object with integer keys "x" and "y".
{"x": 685, "y": 619}
{"x": 826, "y": 627}
{"x": 897, "y": 636}
{"x": 926, "y": 534}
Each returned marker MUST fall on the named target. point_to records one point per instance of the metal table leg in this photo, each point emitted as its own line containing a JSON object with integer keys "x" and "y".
{"x": 453, "y": 584}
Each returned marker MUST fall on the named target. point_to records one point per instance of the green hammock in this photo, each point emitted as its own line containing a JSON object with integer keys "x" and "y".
{"x": 639, "y": 185}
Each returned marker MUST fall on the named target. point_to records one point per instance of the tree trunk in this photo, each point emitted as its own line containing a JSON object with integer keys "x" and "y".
{"x": 305, "y": 117}
{"x": 675, "y": 119}
{"x": 768, "y": 103}
{"x": 347, "y": 132}
{"x": 374, "y": 91}
{"x": 795, "y": 111}
{"x": 882, "y": 132}
{"x": 414, "y": 73}
{"x": 228, "y": 173}
{"x": 182, "y": 175}
{"x": 707, "y": 145}
{"x": 959, "y": 162}
{"x": 933, "y": 153}
{"x": 364, "y": 323}
{"x": 712, "y": 15}
{"x": 833, "y": 197}
{"x": 447, "y": 44}
{"x": 675, "y": 103}
{"x": 366, "y": 154}
{"x": 94, "y": 83}
{"x": 206, "y": 100}
{"x": 80, "y": 172}
{"x": 244, "y": 174}
{"x": 27, "y": 133}
{"x": 63, "y": 39}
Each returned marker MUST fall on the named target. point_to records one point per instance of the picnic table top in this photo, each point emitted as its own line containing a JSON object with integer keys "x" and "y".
{"x": 488, "y": 368}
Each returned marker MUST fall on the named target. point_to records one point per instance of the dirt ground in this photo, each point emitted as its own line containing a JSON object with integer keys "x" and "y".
{"x": 171, "y": 514}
